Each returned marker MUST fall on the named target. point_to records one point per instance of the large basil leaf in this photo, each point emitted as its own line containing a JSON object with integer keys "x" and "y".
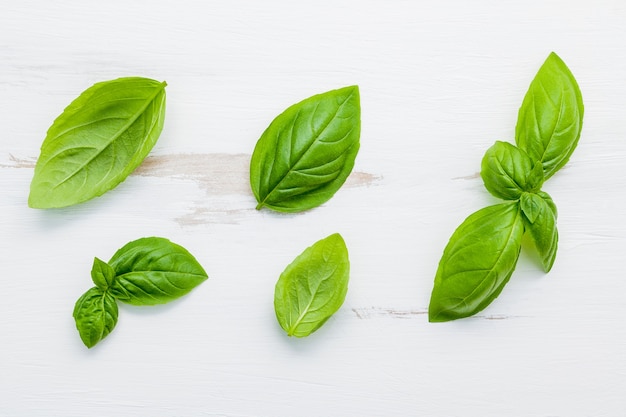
{"x": 477, "y": 262}
{"x": 541, "y": 226}
{"x": 154, "y": 270}
{"x": 312, "y": 287}
{"x": 95, "y": 314}
{"x": 100, "y": 138}
{"x": 307, "y": 152}
{"x": 507, "y": 171}
{"x": 551, "y": 116}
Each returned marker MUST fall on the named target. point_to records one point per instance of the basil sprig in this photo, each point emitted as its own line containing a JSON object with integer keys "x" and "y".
{"x": 483, "y": 251}
{"x": 307, "y": 152}
{"x": 100, "y": 138}
{"x": 147, "y": 271}
{"x": 313, "y": 287}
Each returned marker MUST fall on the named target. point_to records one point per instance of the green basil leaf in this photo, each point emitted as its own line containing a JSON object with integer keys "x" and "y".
{"x": 307, "y": 152}
{"x": 154, "y": 270}
{"x": 546, "y": 197}
{"x": 551, "y": 116}
{"x": 100, "y": 138}
{"x": 312, "y": 287}
{"x": 102, "y": 274}
{"x": 477, "y": 262}
{"x": 507, "y": 171}
{"x": 95, "y": 314}
{"x": 532, "y": 205}
{"x": 542, "y": 229}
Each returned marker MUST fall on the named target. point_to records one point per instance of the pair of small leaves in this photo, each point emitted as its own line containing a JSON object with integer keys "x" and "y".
{"x": 307, "y": 152}
{"x": 482, "y": 253}
{"x": 313, "y": 287}
{"x": 509, "y": 173}
{"x": 100, "y": 138}
{"x": 146, "y": 271}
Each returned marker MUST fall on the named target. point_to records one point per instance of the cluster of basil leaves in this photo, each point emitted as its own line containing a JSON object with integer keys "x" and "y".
{"x": 483, "y": 251}
{"x": 300, "y": 162}
{"x": 146, "y": 271}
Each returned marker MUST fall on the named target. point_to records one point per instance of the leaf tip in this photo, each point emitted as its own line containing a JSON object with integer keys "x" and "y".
{"x": 434, "y": 314}
{"x": 548, "y": 262}
{"x": 354, "y": 89}
{"x": 554, "y": 59}
{"x": 440, "y": 316}
{"x": 335, "y": 236}
{"x": 435, "y": 317}
{"x": 34, "y": 200}
{"x": 89, "y": 343}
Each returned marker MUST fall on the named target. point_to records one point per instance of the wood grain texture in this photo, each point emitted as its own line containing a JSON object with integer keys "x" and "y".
{"x": 439, "y": 82}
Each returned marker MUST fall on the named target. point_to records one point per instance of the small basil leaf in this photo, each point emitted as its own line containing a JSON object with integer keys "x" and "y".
{"x": 102, "y": 274}
{"x": 307, "y": 152}
{"x": 154, "y": 270}
{"x": 551, "y": 116}
{"x": 95, "y": 314}
{"x": 477, "y": 262}
{"x": 543, "y": 231}
{"x": 505, "y": 171}
{"x": 100, "y": 138}
{"x": 312, "y": 287}
{"x": 532, "y": 205}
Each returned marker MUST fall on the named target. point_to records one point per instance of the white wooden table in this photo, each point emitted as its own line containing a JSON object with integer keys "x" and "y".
{"x": 440, "y": 82}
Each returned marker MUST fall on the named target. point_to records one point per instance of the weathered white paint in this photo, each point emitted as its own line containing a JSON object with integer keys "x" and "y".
{"x": 440, "y": 81}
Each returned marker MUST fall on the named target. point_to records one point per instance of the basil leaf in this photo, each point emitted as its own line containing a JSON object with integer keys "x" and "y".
{"x": 477, "y": 262}
{"x": 102, "y": 274}
{"x": 100, "y": 138}
{"x": 551, "y": 116}
{"x": 507, "y": 171}
{"x": 154, "y": 270}
{"x": 542, "y": 229}
{"x": 95, "y": 314}
{"x": 531, "y": 205}
{"x": 312, "y": 287}
{"x": 307, "y": 152}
